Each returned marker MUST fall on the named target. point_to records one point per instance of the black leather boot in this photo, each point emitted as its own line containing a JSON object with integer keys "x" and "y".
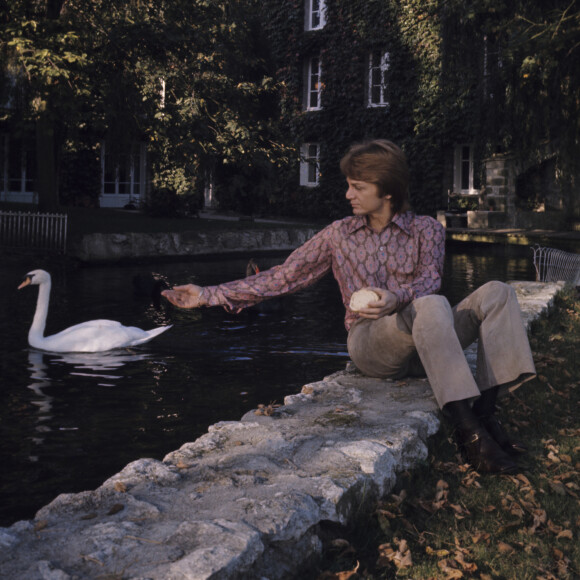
{"x": 483, "y": 453}
{"x": 478, "y": 446}
{"x": 495, "y": 428}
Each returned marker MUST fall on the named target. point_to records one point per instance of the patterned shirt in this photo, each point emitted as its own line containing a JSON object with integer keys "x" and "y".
{"x": 405, "y": 258}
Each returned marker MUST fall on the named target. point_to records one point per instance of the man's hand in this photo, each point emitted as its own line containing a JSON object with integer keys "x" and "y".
{"x": 186, "y": 296}
{"x": 385, "y": 306}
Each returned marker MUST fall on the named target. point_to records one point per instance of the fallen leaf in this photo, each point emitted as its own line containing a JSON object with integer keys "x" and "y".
{"x": 480, "y": 537}
{"x": 120, "y": 487}
{"x": 401, "y": 557}
{"x": 558, "y": 487}
{"x": 504, "y": 548}
{"x": 439, "y": 553}
{"x": 470, "y": 567}
{"x": 555, "y": 529}
{"x": 115, "y": 509}
{"x": 347, "y": 574}
{"x": 565, "y": 534}
{"x": 450, "y": 572}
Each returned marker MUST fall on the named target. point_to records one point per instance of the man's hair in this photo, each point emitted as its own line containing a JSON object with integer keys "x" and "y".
{"x": 382, "y": 163}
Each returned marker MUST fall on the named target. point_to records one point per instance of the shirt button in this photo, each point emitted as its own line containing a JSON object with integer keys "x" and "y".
{"x": 382, "y": 248}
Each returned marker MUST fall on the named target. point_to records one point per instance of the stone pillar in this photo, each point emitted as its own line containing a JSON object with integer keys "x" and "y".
{"x": 500, "y": 185}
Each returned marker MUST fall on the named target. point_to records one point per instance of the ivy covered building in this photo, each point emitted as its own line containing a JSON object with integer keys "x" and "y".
{"x": 438, "y": 79}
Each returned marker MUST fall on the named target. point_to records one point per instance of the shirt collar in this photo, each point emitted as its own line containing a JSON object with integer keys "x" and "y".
{"x": 402, "y": 220}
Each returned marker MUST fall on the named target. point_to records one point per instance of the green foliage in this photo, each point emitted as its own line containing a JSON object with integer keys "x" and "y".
{"x": 99, "y": 67}
{"x": 164, "y": 202}
{"x": 463, "y": 203}
{"x": 80, "y": 178}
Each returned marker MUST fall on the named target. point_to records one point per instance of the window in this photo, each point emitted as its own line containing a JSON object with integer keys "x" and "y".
{"x": 310, "y": 164}
{"x": 377, "y": 78}
{"x": 123, "y": 176}
{"x": 313, "y": 84}
{"x": 209, "y": 190}
{"x": 314, "y": 14}
{"x": 17, "y": 169}
{"x": 463, "y": 170}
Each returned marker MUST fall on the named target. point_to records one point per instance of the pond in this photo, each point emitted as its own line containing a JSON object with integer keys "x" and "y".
{"x": 70, "y": 421}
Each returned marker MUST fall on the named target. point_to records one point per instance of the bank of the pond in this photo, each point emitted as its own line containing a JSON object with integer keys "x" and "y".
{"x": 102, "y": 247}
{"x": 568, "y": 240}
{"x": 245, "y": 500}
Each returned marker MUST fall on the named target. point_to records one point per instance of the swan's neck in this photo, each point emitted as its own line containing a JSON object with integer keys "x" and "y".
{"x": 39, "y": 321}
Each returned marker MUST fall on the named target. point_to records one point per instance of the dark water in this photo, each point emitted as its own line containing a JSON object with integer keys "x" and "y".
{"x": 68, "y": 422}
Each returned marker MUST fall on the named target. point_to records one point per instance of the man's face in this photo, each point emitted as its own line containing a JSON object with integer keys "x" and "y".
{"x": 364, "y": 197}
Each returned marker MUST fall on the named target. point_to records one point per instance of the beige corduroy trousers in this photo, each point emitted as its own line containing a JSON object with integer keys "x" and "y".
{"x": 429, "y": 337}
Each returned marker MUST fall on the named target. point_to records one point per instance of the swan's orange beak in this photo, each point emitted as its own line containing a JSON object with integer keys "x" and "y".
{"x": 26, "y": 282}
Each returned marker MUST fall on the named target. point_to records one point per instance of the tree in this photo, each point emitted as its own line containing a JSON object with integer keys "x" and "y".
{"x": 39, "y": 55}
{"x": 188, "y": 76}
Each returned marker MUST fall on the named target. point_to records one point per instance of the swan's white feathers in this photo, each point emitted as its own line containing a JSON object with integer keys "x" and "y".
{"x": 90, "y": 336}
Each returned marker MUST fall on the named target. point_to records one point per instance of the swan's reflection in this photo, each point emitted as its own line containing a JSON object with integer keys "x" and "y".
{"x": 44, "y": 373}
{"x": 38, "y": 367}
{"x": 99, "y": 361}
{"x": 97, "y": 365}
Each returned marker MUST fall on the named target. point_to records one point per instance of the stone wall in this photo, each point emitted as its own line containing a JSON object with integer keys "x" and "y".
{"x": 118, "y": 247}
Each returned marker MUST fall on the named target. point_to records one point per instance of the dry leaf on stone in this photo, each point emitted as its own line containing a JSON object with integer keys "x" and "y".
{"x": 267, "y": 410}
{"x": 120, "y": 487}
{"x": 115, "y": 509}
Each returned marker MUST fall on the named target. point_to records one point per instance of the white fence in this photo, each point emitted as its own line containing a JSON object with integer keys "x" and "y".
{"x": 33, "y": 230}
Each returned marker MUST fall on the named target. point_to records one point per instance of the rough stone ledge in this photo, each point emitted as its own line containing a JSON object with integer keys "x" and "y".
{"x": 118, "y": 247}
{"x": 244, "y": 500}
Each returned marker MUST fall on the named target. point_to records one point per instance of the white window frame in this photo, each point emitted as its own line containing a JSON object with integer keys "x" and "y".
{"x": 162, "y": 93}
{"x": 463, "y": 169}
{"x": 314, "y": 14}
{"x": 313, "y": 84}
{"x": 210, "y": 201}
{"x": 379, "y": 69}
{"x": 135, "y": 177}
{"x": 310, "y": 164}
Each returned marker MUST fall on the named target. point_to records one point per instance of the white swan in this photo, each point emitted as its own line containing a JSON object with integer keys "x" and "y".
{"x": 91, "y": 336}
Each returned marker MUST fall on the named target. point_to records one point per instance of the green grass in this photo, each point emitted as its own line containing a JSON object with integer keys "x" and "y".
{"x": 446, "y": 521}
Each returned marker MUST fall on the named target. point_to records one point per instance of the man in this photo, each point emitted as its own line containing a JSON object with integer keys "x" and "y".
{"x": 410, "y": 329}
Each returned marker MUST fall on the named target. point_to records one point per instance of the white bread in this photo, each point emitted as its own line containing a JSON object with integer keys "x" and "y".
{"x": 361, "y": 298}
